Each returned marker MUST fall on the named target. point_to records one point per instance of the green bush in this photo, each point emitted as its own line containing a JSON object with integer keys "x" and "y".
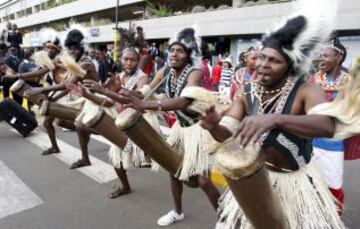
{"x": 159, "y": 10}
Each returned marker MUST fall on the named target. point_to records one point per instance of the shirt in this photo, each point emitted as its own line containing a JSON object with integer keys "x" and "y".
{"x": 226, "y": 76}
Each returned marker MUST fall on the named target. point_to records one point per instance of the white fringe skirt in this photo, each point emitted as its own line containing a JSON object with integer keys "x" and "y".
{"x": 132, "y": 156}
{"x": 188, "y": 141}
{"x": 305, "y": 199}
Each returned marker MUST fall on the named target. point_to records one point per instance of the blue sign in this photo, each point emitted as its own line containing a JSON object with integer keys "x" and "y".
{"x": 95, "y": 32}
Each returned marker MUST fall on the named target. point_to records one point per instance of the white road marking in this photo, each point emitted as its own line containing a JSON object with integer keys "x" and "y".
{"x": 15, "y": 196}
{"x": 100, "y": 171}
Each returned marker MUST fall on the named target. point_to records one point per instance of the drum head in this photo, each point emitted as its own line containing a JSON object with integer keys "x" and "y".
{"x": 44, "y": 108}
{"x": 236, "y": 162}
{"x": 127, "y": 118}
{"x": 90, "y": 114}
{"x": 17, "y": 86}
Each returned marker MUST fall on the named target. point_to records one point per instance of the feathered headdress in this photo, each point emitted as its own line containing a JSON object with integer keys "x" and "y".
{"x": 187, "y": 39}
{"x": 49, "y": 37}
{"x": 76, "y": 34}
{"x": 303, "y": 34}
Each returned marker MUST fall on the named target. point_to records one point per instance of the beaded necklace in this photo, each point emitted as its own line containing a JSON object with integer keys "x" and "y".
{"x": 321, "y": 79}
{"x": 277, "y": 101}
{"x": 175, "y": 84}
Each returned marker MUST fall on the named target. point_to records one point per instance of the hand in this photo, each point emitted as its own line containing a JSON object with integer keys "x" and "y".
{"x": 93, "y": 85}
{"x": 252, "y": 127}
{"x": 132, "y": 101}
{"x": 32, "y": 92}
{"x": 210, "y": 119}
{"x": 41, "y": 98}
{"x": 78, "y": 90}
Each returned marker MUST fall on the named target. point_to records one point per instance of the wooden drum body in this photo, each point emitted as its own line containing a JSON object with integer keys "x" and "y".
{"x": 58, "y": 111}
{"x": 248, "y": 179}
{"x": 99, "y": 121}
{"x": 19, "y": 88}
{"x": 143, "y": 135}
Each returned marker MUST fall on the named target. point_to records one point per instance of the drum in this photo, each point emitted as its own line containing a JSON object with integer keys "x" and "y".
{"x": 58, "y": 111}
{"x": 99, "y": 121}
{"x": 249, "y": 181}
{"x": 20, "y": 86}
{"x": 144, "y": 136}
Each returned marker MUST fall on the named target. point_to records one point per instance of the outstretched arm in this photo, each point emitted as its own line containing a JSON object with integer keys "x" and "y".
{"x": 29, "y": 75}
{"x": 110, "y": 91}
{"x": 80, "y": 90}
{"x": 194, "y": 79}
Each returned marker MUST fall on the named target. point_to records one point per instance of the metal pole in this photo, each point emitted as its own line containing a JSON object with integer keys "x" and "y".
{"x": 116, "y": 30}
{"x": 117, "y": 14}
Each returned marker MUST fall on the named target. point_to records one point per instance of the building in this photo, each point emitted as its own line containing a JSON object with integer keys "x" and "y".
{"x": 231, "y": 23}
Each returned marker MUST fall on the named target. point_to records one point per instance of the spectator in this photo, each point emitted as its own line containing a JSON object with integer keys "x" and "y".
{"x": 158, "y": 64}
{"x": 226, "y": 76}
{"x": 28, "y": 65}
{"x": 3, "y": 50}
{"x": 93, "y": 55}
{"x": 15, "y": 37}
{"x": 154, "y": 51}
{"x": 5, "y": 33}
{"x": 241, "y": 63}
{"x": 146, "y": 63}
{"x": 216, "y": 75}
{"x": 205, "y": 66}
{"x": 104, "y": 67}
{"x": 12, "y": 61}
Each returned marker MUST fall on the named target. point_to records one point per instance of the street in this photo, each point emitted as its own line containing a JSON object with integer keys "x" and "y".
{"x": 40, "y": 192}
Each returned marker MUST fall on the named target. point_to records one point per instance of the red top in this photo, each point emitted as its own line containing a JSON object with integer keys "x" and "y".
{"x": 205, "y": 72}
{"x": 149, "y": 64}
{"x": 216, "y": 74}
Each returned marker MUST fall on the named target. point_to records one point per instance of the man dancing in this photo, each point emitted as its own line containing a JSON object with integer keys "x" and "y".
{"x": 131, "y": 78}
{"x": 273, "y": 112}
{"x": 186, "y": 135}
{"x": 73, "y": 43}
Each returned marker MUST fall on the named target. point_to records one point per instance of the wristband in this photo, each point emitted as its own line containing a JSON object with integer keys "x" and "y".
{"x": 159, "y": 105}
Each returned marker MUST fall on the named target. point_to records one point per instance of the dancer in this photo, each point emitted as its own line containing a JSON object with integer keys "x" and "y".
{"x": 186, "y": 135}
{"x": 273, "y": 112}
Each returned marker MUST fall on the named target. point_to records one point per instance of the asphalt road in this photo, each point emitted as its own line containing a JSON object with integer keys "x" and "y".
{"x": 40, "y": 192}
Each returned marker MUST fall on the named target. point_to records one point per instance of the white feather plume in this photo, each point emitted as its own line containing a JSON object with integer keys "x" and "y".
{"x": 195, "y": 56}
{"x": 79, "y": 27}
{"x": 320, "y": 19}
{"x": 42, "y": 59}
{"x": 48, "y": 34}
{"x": 71, "y": 65}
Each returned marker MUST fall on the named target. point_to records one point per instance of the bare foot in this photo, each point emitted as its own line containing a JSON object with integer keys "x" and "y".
{"x": 51, "y": 150}
{"x": 80, "y": 163}
{"x": 119, "y": 192}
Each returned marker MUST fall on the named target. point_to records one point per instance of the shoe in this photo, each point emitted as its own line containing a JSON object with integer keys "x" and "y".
{"x": 170, "y": 218}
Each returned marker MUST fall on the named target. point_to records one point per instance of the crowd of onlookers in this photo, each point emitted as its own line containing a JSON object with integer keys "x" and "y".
{"x": 216, "y": 76}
